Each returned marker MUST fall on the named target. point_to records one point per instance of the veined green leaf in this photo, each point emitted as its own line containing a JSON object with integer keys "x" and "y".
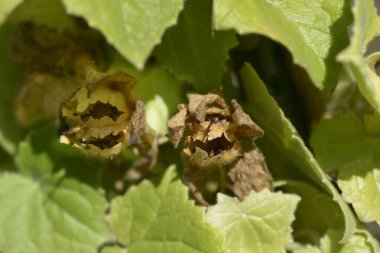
{"x": 352, "y": 147}
{"x": 361, "y": 242}
{"x": 59, "y": 216}
{"x": 45, "y": 212}
{"x": 162, "y": 219}
{"x": 313, "y": 31}
{"x": 191, "y": 50}
{"x": 286, "y": 154}
{"x": 41, "y": 154}
{"x": 6, "y": 8}
{"x": 366, "y": 25}
{"x": 315, "y": 214}
{"x": 260, "y": 223}
{"x": 133, "y": 27}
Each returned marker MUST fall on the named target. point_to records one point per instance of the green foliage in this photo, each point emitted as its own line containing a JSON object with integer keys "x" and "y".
{"x": 6, "y": 7}
{"x": 44, "y": 12}
{"x": 133, "y": 27}
{"x": 260, "y": 223}
{"x": 361, "y": 241}
{"x": 313, "y": 199}
{"x": 199, "y": 54}
{"x": 366, "y": 25}
{"x": 162, "y": 219}
{"x": 280, "y": 60}
{"x": 313, "y": 31}
{"x": 357, "y": 163}
{"x": 283, "y": 148}
{"x": 64, "y": 214}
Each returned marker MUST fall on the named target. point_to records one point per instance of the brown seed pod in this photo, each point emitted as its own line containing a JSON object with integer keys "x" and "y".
{"x": 104, "y": 115}
{"x": 218, "y": 151}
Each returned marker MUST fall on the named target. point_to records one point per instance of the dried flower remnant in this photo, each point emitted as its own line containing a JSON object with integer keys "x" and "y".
{"x": 103, "y": 116}
{"x": 42, "y": 46}
{"x": 55, "y": 63}
{"x": 218, "y": 151}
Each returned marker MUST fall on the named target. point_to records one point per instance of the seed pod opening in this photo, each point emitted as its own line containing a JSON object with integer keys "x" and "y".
{"x": 218, "y": 151}
{"x": 104, "y": 115}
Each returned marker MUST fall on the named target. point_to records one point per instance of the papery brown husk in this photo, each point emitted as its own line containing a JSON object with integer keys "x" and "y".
{"x": 218, "y": 153}
{"x": 104, "y": 115}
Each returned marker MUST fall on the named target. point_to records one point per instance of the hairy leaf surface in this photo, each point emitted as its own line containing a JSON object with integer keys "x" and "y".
{"x": 313, "y": 31}
{"x": 162, "y": 219}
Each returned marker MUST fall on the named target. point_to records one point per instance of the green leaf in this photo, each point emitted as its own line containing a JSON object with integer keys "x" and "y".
{"x": 41, "y": 155}
{"x": 162, "y": 219}
{"x": 64, "y": 214}
{"x": 366, "y": 25}
{"x": 44, "y": 12}
{"x": 33, "y": 164}
{"x": 353, "y": 148}
{"x": 6, "y": 8}
{"x": 113, "y": 249}
{"x": 159, "y": 90}
{"x": 10, "y": 74}
{"x": 260, "y": 223}
{"x": 310, "y": 225}
{"x": 191, "y": 50}
{"x": 307, "y": 249}
{"x": 133, "y": 27}
{"x": 61, "y": 215}
{"x": 362, "y": 241}
{"x": 313, "y": 31}
{"x": 285, "y": 152}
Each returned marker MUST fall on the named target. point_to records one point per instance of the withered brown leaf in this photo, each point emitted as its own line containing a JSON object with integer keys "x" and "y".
{"x": 219, "y": 154}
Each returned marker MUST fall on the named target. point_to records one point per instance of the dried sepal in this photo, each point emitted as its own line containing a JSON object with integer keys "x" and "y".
{"x": 104, "y": 115}
{"x": 245, "y": 127}
{"x": 218, "y": 150}
{"x": 176, "y": 125}
{"x": 249, "y": 173}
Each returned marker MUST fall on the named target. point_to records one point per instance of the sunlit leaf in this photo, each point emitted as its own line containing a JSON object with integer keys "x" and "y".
{"x": 286, "y": 154}
{"x": 366, "y": 25}
{"x": 352, "y": 147}
{"x": 260, "y": 223}
{"x": 313, "y": 31}
{"x": 192, "y": 51}
{"x": 133, "y": 27}
{"x": 162, "y": 219}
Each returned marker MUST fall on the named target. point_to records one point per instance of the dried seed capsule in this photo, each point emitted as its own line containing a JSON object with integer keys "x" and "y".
{"x": 55, "y": 65}
{"x": 218, "y": 151}
{"x": 103, "y": 116}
